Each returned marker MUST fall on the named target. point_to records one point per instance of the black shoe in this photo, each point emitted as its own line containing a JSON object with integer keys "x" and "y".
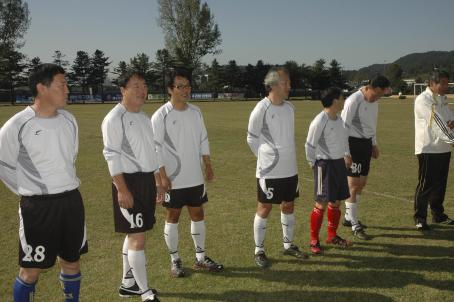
{"x": 446, "y": 221}
{"x": 261, "y": 260}
{"x": 348, "y": 223}
{"x": 422, "y": 226}
{"x": 360, "y": 234}
{"x": 176, "y": 269}
{"x": 208, "y": 265}
{"x": 132, "y": 291}
{"x": 294, "y": 251}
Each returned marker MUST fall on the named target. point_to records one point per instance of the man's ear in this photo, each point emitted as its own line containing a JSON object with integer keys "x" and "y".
{"x": 41, "y": 88}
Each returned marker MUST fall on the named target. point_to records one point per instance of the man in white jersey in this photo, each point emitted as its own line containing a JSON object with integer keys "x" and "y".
{"x": 182, "y": 142}
{"x": 134, "y": 164}
{"x": 328, "y": 155}
{"x": 434, "y": 139}
{"x": 38, "y": 150}
{"x": 271, "y": 138}
{"x": 360, "y": 118}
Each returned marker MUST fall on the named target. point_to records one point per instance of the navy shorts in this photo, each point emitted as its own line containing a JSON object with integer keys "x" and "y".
{"x": 140, "y": 217}
{"x": 361, "y": 152}
{"x": 192, "y": 197}
{"x": 50, "y": 226}
{"x": 277, "y": 190}
{"x": 330, "y": 180}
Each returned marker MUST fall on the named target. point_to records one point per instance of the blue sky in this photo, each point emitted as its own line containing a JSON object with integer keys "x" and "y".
{"x": 356, "y": 33}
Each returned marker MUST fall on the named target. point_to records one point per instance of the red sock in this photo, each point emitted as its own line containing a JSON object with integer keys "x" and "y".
{"x": 333, "y": 221}
{"x": 316, "y": 223}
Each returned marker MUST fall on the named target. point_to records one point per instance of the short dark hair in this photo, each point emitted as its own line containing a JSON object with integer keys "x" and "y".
{"x": 177, "y": 72}
{"x": 436, "y": 75}
{"x": 43, "y": 74}
{"x": 379, "y": 81}
{"x": 123, "y": 80}
{"x": 329, "y": 95}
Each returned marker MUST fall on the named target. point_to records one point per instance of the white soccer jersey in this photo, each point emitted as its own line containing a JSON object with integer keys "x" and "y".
{"x": 181, "y": 140}
{"x": 128, "y": 142}
{"x": 326, "y": 139}
{"x": 271, "y": 136}
{"x": 38, "y": 155}
{"x": 432, "y": 135}
{"x": 360, "y": 117}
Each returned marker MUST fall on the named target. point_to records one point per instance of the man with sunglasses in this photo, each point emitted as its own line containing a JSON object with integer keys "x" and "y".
{"x": 182, "y": 142}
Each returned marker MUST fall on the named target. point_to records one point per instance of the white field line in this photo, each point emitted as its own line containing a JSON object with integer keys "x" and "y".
{"x": 389, "y": 196}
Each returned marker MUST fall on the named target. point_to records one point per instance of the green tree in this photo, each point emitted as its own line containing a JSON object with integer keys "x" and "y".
{"x": 99, "y": 68}
{"x": 80, "y": 71}
{"x": 161, "y": 66}
{"x": 335, "y": 74}
{"x": 189, "y": 29}
{"x": 141, "y": 63}
{"x": 59, "y": 59}
{"x": 214, "y": 73}
{"x": 320, "y": 78}
{"x": 14, "y": 22}
{"x": 33, "y": 64}
{"x": 232, "y": 75}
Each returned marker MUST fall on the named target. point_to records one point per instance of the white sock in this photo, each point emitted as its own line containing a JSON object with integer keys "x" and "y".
{"x": 139, "y": 270}
{"x": 198, "y": 232}
{"x": 259, "y": 233}
{"x": 128, "y": 278}
{"x": 288, "y": 227}
{"x": 171, "y": 238}
{"x": 352, "y": 208}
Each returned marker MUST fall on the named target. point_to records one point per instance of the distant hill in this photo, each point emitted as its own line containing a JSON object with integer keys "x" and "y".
{"x": 413, "y": 65}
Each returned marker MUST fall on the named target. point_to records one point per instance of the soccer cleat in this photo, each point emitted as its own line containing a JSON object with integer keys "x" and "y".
{"x": 340, "y": 242}
{"x": 294, "y": 251}
{"x": 360, "y": 234}
{"x": 261, "y": 260}
{"x": 132, "y": 291}
{"x": 315, "y": 247}
{"x": 348, "y": 223}
{"x": 154, "y": 299}
{"x": 422, "y": 226}
{"x": 208, "y": 264}
{"x": 176, "y": 269}
{"x": 446, "y": 221}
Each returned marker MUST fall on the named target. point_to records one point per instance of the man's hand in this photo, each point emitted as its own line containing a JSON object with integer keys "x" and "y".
{"x": 209, "y": 174}
{"x": 160, "y": 194}
{"x": 451, "y": 124}
{"x": 348, "y": 161}
{"x": 375, "y": 152}
{"x": 166, "y": 183}
{"x": 125, "y": 199}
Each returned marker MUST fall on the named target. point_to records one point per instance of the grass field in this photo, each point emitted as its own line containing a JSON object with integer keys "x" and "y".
{"x": 398, "y": 264}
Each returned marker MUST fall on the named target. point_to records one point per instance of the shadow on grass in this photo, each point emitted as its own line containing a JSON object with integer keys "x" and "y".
{"x": 348, "y": 279}
{"x": 438, "y": 232}
{"x": 286, "y": 295}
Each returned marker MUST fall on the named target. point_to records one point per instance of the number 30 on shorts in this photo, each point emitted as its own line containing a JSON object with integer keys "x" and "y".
{"x": 356, "y": 168}
{"x": 39, "y": 253}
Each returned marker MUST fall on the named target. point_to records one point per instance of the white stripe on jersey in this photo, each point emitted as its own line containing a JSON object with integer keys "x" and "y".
{"x": 129, "y": 142}
{"x": 360, "y": 116}
{"x": 271, "y": 137}
{"x": 37, "y": 155}
{"x": 181, "y": 139}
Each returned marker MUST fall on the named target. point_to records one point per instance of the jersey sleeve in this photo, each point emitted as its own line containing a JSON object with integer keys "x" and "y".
{"x": 426, "y": 110}
{"x": 313, "y": 136}
{"x": 255, "y": 128}
{"x": 347, "y": 113}
{"x": 154, "y": 149}
{"x": 157, "y": 124}
{"x": 9, "y": 152}
{"x": 204, "y": 144}
{"x": 112, "y": 137}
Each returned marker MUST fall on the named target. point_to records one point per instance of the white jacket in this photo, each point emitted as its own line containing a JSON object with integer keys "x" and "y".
{"x": 432, "y": 134}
